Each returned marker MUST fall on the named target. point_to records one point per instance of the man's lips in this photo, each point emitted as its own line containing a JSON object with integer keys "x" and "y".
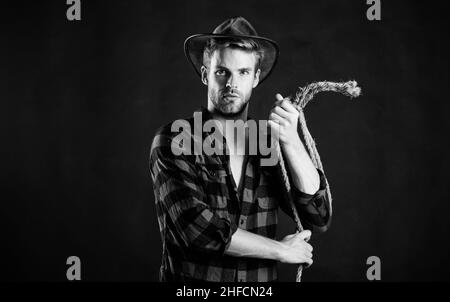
{"x": 230, "y": 95}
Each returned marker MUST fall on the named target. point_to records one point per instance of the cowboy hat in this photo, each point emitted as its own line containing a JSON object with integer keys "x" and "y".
{"x": 233, "y": 28}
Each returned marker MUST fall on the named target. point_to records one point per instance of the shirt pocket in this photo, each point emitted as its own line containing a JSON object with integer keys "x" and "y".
{"x": 211, "y": 174}
{"x": 214, "y": 186}
{"x": 267, "y": 203}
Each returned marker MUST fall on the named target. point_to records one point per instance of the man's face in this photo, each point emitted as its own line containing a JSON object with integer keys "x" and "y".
{"x": 231, "y": 78}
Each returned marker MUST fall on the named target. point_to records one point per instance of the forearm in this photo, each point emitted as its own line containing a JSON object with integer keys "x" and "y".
{"x": 292, "y": 249}
{"x": 247, "y": 244}
{"x": 303, "y": 172}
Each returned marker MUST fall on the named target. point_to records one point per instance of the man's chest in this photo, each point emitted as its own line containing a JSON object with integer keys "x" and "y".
{"x": 237, "y": 168}
{"x": 255, "y": 198}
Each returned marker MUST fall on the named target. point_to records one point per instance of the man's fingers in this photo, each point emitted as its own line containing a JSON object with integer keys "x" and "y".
{"x": 284, "y": 103}
{"x": 305, "y": 235}
{"x": 291, "y": 235}
{"x": 277, "y": 118}
{"x": 287, "y": 105}
{"x": 281, "y": 112}
{"x": 278, "y": 97}
{"x": 309, "y": 262}
{"x": 274, "y": 130}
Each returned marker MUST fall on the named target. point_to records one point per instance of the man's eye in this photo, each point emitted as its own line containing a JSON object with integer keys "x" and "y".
{"x": 245, "y": 72}
{"x": 220, "y": 72}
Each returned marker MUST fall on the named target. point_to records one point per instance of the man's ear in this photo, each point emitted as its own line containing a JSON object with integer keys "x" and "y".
{"x": 204, "y": 72}
{"x": 256, "y": 80}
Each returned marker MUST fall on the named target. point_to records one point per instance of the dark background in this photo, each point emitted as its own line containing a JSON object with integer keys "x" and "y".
{"x": 81, "y": 100}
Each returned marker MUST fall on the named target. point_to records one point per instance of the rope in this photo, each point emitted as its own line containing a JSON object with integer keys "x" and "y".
{"x": 301, "y": 98}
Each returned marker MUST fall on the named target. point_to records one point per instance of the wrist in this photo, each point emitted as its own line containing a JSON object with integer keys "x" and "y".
{"x": 294, "y": 145}
{"x": 279, "y": 251}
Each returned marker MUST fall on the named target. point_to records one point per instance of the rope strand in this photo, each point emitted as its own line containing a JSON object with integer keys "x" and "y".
{"x": 302, "y": 97}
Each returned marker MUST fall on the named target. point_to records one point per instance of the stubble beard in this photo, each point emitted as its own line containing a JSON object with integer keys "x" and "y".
{"x": 228, "y": 109}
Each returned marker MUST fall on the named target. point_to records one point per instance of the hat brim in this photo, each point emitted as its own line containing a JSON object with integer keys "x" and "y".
{"x": 195, "y": 45}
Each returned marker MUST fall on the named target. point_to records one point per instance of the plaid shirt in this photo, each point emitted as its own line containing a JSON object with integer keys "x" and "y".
{"x": 199, "y": 207}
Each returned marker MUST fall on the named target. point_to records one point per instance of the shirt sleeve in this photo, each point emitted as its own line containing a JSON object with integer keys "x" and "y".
{"x": 313, "y": 210}
{"x": 180, "y": 197}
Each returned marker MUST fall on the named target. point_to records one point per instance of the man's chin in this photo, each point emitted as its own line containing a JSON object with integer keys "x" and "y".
{"x": 231, "y": 109}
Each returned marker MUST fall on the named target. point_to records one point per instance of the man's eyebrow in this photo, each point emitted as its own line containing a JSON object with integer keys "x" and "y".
{"x": 240, "y": 69}
{"x": 221, "y": 67}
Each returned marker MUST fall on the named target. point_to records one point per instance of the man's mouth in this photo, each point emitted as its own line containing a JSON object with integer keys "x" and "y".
{"x": 230, "y": 96}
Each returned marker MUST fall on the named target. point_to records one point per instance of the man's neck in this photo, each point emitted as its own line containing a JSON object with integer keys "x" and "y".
{"x": 229, "y": 127}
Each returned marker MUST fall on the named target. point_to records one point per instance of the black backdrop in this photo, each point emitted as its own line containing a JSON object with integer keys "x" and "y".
{"x": 81, "y": 101}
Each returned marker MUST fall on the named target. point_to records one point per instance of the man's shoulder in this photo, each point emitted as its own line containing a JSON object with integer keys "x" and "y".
{"x": 165, "y": 134}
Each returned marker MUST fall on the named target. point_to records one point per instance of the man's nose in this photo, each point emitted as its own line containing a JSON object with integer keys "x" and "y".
{"x": 231, "y": 83}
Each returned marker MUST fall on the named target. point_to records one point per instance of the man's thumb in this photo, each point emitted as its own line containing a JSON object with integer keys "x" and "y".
{"x": 305, "y": 235}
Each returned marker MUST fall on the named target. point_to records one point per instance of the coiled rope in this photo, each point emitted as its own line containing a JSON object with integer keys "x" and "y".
{"x": 301, "y": 98}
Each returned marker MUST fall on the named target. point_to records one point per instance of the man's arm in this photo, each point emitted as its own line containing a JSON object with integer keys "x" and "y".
{"x": 284, "y": 120}
{"x": 308, "y": 183}
{"x": 197, "y": 227}
{"x": 292, "y": 249}
{"x": 181, "y": 200}
{"x": 304, "y": 174}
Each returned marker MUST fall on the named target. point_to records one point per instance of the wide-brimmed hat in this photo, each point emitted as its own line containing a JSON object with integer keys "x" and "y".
{"x": 233, "y": 28}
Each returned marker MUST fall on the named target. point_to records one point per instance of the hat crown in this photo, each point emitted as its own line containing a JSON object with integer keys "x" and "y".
{"x": 237, "y": 26}
{"x": 233, "y": 28}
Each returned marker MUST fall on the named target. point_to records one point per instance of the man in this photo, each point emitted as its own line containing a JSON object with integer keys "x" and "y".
{"x": 218, "y": 213}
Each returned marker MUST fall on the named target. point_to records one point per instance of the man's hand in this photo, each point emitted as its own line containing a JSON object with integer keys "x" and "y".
{"x": 295, "y": 249}
{"x": 283, "y": 121}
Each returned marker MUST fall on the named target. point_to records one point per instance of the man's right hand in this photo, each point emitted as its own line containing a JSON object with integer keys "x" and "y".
{"x": 295, "y": 248}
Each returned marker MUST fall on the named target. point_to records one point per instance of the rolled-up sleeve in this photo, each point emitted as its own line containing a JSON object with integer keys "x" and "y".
{"x": 314, "y": 210}
{"x": 180, "y": 199}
